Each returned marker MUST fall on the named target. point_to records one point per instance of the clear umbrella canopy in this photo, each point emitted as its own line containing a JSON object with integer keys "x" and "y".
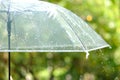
{"x": 42, "y": 26}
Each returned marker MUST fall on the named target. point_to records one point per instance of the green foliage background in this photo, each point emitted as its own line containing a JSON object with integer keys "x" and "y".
{"x": 101, "y": 65}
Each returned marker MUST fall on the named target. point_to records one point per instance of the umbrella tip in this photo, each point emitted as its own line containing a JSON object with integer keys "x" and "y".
{"x": 87, "y": 54}
{"x": 110, "y": 47}
{"x": 11, "y": 78}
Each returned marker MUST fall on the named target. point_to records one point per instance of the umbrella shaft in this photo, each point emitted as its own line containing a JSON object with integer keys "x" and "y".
{"x": 9, "y": 29}
{"x": 8, "y": 41}
{"x": 9, "y": 32}
{"x": 9, "y": 66}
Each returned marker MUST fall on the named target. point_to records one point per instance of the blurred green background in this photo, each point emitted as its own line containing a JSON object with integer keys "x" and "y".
{"x": 104, "y": 64}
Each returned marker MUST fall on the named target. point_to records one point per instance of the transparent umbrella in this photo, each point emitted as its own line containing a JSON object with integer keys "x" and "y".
{"x": 44, "y": 27}
{"x": 38, "y": 26}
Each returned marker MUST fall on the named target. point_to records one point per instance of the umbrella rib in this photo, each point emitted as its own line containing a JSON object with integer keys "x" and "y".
{"x": 86, "y": 25}
{"x": 84, "y": 48}
{"x": 79, "y": 20}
